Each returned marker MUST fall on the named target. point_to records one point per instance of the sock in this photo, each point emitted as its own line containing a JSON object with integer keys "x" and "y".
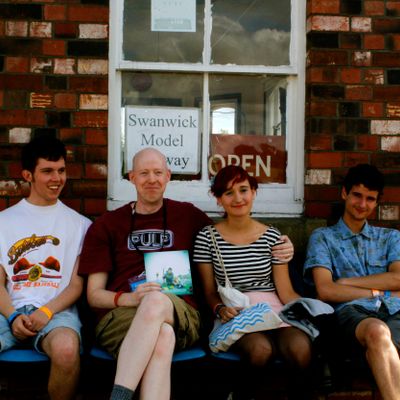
{"x": 121, "y": 393}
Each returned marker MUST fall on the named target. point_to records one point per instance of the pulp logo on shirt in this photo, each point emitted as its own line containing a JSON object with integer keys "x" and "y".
{"x": 150, "y": 239}
{"x": 29, "y": 243}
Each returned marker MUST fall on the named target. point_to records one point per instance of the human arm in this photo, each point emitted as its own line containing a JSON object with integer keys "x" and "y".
{"x": 283, "y": 251}
{"x": 21, "y": 326}
{"x": 99, "y": 297}
{"x": 65, "y": 299}
{"x": 389, "y": 280}
{"x": 207, "y": 279}
{"x": 283, "y": 284}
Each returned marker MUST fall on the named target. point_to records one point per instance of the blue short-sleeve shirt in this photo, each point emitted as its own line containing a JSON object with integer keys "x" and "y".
{"x": 347, "y": 254}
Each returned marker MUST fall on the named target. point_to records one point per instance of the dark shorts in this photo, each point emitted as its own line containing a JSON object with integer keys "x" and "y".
{"x": 112, "y": 328}
{"x": 350, "y": 316}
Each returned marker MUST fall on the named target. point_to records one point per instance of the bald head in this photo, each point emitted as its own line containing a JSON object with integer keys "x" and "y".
{"x": 148, "y": 153}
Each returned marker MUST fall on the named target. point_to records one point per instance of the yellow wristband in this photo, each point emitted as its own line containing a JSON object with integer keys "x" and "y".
{"x": 47, "y": 311}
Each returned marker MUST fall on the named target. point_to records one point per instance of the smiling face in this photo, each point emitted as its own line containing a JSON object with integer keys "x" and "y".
{"x": 46, "y": 181}
{"x": 360, "y": 202}
{"x": 150, "y": 175}
{"x": 238, "y": 198}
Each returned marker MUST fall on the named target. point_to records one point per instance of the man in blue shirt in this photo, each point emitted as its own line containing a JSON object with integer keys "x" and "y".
{"x": 356, "y": 267}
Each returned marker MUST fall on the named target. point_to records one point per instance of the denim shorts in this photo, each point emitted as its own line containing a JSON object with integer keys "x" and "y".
{"x": 63, "y": 319}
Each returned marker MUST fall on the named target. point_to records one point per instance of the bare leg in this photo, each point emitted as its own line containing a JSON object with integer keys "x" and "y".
{"x": 156, "y": 381}
{"x": 141, "y": 339}
{"x": 381, "y": 355}
{"x": 62, "y": 346}
{"x": 255, "y": 347}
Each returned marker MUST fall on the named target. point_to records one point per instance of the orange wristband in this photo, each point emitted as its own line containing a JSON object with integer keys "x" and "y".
{"x": 47, "y": 311}
{"x": 117, "y": 296}
{"x": 375, "y": 292}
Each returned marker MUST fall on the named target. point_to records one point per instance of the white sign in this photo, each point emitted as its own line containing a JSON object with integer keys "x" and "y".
{"x": 175, "y": 131}
{"x": 173, "y": 15}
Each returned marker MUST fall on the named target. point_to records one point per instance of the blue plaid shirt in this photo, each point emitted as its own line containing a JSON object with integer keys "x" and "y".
{"x": 347, "y": 254}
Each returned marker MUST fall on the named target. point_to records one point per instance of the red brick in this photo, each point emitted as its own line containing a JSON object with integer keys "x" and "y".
{"x": 317, "y": 209}
{"x": 71, "y": 135}
{"x": 322, "y": 74}
{"x": 386, "y": 93}
{"x": 96, "y": 136}
{"x": 16, "y": 28}
{"x": 395, "y": 41}
{"x": 3, "y": 204}
{"x": 54, "y": 12}
{"x": 65, "y": 100}
{"x": 88, "y": 13}
{"x": 374, "y": 76}
{"x": 75, "y": 204}
{"x": 321, "y": 193}
{"x": 41, "y": 100}
{"x": 1, "y": 98}
{"x": 371, "y": 109}
{"x": 393, "y": 110}
{"x": 53, "y": 47}
{"x": 324, "y": 6}
{"x": 17, "y": 64}
{"x": 393, "y": 7}
{"x": 14, "y": 170}
{"x": 323, "y": 108}
{"x": 66, "y": 30}
{"x": 350, "y": 75}
{"x": 74, "y": 170}
{"x": 386, "y": 59}
{"x": 324, "y": 160}
{"x": 24, "y": 82}
{"x": 94, "y": 189}
{"x": 22, "y": 117}
{"x": 374, "y": 7}
{"x": 328, "y": 57}
{"x": 94, "y": 207}
{"x": 94, "y": 119}
{"x": 40, "y": 29}
{"x": 88, "y": 84}
{"x": 351, "y": 159}
{"x": 375, "y": 42}
{"x": 367, "y": 142}
{"x": 358, "y": 93}
{"x": 392, "y": 194}
{"x": 95, "y": 171}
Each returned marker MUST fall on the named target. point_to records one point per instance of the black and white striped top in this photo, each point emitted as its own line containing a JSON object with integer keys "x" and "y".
{"x": 249, "y": 267}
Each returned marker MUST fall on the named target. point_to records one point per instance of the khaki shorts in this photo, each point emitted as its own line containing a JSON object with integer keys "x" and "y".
{"x": 112, "y": 328}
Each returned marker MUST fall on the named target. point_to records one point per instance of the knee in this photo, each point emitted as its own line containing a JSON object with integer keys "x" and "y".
{"x": 165, "y": 343}
{"x": 299, "y": 356}
{"x": 258, "y": 353}
{"x": 64, "y": 350}
{"x": 155, "y": 306}
{"x": 377, "y": 336}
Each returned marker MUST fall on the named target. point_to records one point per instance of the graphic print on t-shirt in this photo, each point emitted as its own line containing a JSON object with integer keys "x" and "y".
{"x": 39, "y": 273}
{"x": 150, "y": 239}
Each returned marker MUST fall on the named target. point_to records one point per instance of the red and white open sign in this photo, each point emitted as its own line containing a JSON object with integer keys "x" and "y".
{"x": 263, "y": 157}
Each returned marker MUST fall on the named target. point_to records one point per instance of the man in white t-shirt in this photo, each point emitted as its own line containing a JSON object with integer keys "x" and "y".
{"x": 40, "y": 243}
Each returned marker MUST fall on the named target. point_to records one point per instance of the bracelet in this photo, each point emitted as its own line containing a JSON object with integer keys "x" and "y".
{"x": 387, "y": 293}
{"x": 217, "y": 309}
{"x": 13, "y": 317}
{"x": 375, "y": 292}
{"x": 47, "y": 311}
{"x": 117, "y": 296}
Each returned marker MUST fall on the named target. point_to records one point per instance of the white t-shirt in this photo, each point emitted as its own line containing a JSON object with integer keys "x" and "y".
{"x": 38, "y": 250}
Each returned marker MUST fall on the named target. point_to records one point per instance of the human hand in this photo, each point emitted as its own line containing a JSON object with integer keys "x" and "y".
{"x": 227, "y": 313}
{"x": 283, "y": 251}
{"x": 142, "y": 290}
{"x": 38, "y": 320}
{"x": 22, "y": 327}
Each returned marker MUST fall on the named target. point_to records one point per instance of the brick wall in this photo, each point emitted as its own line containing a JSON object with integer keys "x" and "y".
{"x": 53, "y": 63}
{"x": 54, "y": 66}
{"x": 353, "y": 100}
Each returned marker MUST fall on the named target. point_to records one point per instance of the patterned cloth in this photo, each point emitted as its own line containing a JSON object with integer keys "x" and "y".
{"x": 347, "y": 254}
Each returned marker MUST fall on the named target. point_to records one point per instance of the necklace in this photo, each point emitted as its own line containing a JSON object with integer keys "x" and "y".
{"x": 132, "y": 228}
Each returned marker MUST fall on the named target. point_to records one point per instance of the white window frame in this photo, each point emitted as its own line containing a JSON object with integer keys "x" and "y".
{"x": 273, "y": 200}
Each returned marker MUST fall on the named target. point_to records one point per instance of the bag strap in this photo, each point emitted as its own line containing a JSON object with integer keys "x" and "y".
{"x": 219, "y": 256}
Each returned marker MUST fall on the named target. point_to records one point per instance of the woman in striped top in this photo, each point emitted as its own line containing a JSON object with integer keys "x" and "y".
{"x": 246, "y": 248}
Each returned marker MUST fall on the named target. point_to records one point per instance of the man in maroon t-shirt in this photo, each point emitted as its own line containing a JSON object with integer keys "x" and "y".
{"x": 142, "y": 327}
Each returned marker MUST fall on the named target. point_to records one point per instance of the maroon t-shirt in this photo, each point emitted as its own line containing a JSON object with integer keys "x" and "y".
{"x": 112, "y": 241}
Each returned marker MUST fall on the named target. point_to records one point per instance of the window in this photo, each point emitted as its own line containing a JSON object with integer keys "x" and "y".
{"x": 210, "y": 83}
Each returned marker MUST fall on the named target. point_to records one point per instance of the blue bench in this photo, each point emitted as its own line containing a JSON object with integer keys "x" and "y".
{"x": 22, "y": 355}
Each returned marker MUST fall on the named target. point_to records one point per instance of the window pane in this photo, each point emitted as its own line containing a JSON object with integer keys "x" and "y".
{"x": 257, "y": 106}
{"x": 162, "y": 43}
{"x": 166, "y": 114}
{"x": 250, "y": 32}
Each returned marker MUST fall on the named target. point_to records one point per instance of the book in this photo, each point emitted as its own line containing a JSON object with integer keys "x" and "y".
{"x": 171, "y": 269}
